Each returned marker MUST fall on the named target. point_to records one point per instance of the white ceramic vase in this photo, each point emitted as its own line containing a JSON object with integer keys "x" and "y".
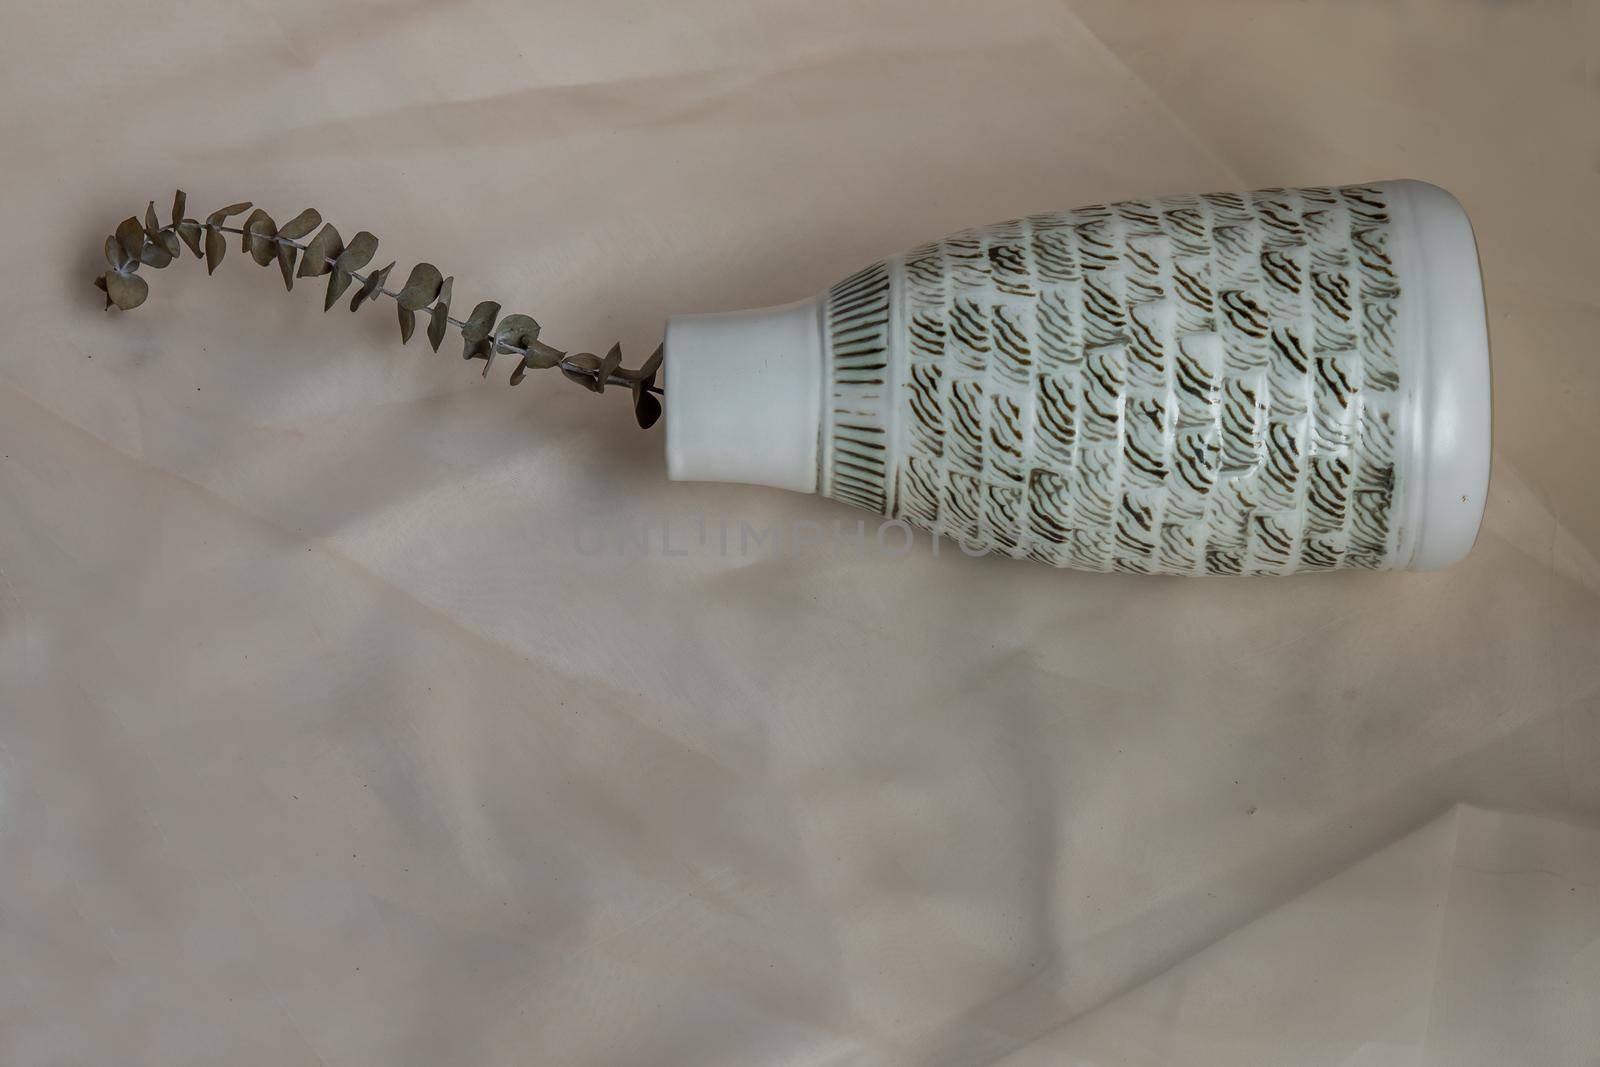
{"x": 1235, "y": 383}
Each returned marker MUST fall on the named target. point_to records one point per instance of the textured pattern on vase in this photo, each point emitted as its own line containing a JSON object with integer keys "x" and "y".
{"x": 1192, "y": 385}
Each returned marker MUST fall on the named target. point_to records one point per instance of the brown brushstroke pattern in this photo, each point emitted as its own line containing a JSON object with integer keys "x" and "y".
{"x": 1192, "y": 385}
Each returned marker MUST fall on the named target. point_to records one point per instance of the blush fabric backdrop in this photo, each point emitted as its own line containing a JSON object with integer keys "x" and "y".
{"x": 328, "y": 736}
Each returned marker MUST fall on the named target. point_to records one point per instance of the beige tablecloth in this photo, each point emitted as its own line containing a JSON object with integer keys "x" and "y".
{"x": 328, "y": 737}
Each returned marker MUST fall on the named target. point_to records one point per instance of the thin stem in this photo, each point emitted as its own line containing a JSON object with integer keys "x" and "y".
{"x": 451, "y": 319}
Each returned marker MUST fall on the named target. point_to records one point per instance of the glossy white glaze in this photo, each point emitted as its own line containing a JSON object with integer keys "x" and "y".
{"x": 1261, "y": 382}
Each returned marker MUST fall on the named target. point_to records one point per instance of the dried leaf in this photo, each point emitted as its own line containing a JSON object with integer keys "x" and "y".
{"x": 481, "y": 322}
{"x": 370, "y": 287}
{"x": 286, "y": 254}
{"x": 130, "y": 235}
{"x": 179, "y": 201}
{"x": 157, "y": 251}
{"x": 169, "y": 242}
{"x": 476, "y": 342}
{"x": 189, "y": 230}
{"x": 542, "y": 356}
{"x": 216, "y": 247}
{"x": 483, "y": 349}
{"x": 582, "y": 368}
{"x": 646, "y": 409}
{"x": 608, "y": 367}
{"x": 156, "y": 255}
{"x": 519, "y": 334}
{"x": 301, "y": 224}
{"x": 127, "y": 291}
{"x": 516, "y": 332}
{"x": 422, "y": 286}
{"x": 355, "y": 256}
{"x": 647, "y": 372}
{"x": 539, "y": 356}
{"x": 441, "y": 315}
{"x": 100, "y": 284}
{"x": 359, "y": 252}
{"x": 221, "y": 215}
{"x": 338, "y": 282}
{"x": 115, "y": 255}
{"x": 294, "y": 229}
{"x": 257, "y": 239}
{"x": 325, "y": 246}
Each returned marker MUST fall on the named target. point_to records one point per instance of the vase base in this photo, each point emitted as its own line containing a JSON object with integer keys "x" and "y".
{"x": 1444, "y": 331}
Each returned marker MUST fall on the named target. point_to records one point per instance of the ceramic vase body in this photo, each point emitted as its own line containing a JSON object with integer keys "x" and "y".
{"x": 1237, "y": 383}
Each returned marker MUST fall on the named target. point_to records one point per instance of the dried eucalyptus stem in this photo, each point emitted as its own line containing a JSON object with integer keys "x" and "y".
{"x": 426, "y": 291}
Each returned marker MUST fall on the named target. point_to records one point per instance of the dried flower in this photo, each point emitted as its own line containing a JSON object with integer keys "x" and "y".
{"x": 484, "y": 333}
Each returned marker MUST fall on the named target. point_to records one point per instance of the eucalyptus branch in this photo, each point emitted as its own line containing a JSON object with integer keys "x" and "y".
{"x": 426, "y": 291}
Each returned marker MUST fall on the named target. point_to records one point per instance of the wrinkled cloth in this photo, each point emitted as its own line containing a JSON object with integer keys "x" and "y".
{"x": 356, "y": 710}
